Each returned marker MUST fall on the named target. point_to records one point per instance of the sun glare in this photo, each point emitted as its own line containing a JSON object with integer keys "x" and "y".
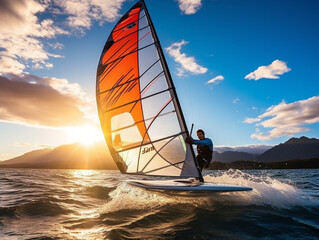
{"x": 86, "y": 135}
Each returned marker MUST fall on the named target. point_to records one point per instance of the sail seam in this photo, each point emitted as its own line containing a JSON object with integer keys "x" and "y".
{"x": 151, "y": 83}
{"x": 129, "y": 23}
{"x": 110, "y": 68}
{"x": 130, "y": 53}
{"x": 158, "y": 140}
{"x": 131, "y": 34}
{"x": 157, "y": 151}
{"x": 115, "y": 96}
{"x": 116, "y": 52}
{"x": 138, "y": 100}
{"x": 132, "y": 125}
{"x": 146, "y": 133}
{"x": 131, "y": 79}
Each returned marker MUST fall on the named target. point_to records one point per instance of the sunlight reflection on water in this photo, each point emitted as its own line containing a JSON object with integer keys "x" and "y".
{"x": 94, "y": 204}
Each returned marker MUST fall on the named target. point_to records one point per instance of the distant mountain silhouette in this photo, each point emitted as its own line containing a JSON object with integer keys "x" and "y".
{"x": 294, "y": 148}
{"x": 77, "y": 156}
{"x": 71, "y": 156}
{"x": 253, "y": 149}
{"x": 230, "y": 156}
{"x": 30, "y": 157}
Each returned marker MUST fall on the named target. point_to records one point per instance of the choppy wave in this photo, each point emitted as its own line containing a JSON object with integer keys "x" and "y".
{"x": 266, "y": 189}
{"x": 75, "y": 204}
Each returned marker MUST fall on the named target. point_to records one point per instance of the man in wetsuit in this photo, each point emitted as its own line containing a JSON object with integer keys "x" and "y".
{"x": 204, "y": 149}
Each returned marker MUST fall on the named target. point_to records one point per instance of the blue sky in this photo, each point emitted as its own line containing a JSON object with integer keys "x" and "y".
{"x": 260, "y": 57}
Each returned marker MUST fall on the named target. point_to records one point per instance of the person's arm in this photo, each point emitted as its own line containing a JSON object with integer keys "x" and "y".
{"x": 205, "y": 141}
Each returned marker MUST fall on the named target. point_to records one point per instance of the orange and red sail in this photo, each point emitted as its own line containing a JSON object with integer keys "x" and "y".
{"x": 138, "y": 107}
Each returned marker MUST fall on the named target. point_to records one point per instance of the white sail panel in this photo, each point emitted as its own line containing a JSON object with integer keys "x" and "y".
{"x": 158, "y": 84}
{"x": 145, "y": 37}
{"x": 150, "y": 74}
{"x": 143, "y": 21}
{"x": 147, "y": 57}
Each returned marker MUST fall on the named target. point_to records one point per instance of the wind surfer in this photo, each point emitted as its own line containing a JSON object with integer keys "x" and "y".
{"x": 204, "y": 149}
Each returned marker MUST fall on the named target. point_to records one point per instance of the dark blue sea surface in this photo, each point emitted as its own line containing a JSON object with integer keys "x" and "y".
{"x": 93, "y": 204}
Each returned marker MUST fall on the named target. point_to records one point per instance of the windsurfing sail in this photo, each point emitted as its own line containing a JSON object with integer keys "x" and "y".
{"x": 140, "y": 114}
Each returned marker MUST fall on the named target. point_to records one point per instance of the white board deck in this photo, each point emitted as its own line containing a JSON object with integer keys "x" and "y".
{"x": 185, "y": 185}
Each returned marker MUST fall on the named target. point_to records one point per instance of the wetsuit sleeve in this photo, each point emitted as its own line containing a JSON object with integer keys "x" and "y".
{"x": 205, "y": 141}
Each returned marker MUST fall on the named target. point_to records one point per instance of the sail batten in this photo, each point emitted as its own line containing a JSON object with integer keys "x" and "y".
{"x": 138, "y": 107}
{"x": 128, "y": 103}
{"x": 155, "y": 141}
{"x": 132, "y": 52}
{"x": 131, "y": 80}
{"x": 128, "y": 24}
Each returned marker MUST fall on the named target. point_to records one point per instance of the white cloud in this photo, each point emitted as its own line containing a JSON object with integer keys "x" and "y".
{"x": 10, "y": 65}
{"x": 187, "y": 64}
{"x": 251, "y": 120}
{"x": 189, "y": 6}
{"x": 271, "y": 71}
{"x": 287, "y": 119}
{"x": 216, "y": 80}
{"x": 26, "y": 25}
{"x": 21, "y": 35}
{"x": 84, "y": 12}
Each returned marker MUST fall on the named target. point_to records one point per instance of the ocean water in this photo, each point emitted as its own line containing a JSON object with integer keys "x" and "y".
{"x": 93, "y": 204}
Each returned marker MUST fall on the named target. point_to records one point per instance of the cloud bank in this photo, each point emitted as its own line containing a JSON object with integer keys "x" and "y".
{"x": 271, "y": 71}
{"x": 187, "y": 64}
{"x": 287, "y": 119}
{"x": 189, "y": 6}
{"x": 82, "y": 13}
{"x": 25, "y": 30}
{"x": 45, "y": 102}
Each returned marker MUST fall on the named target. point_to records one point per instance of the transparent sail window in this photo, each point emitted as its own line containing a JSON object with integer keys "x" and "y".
{"x": 164, "y": 125}
{"x": 147, "y": 57}
{"x": 152, "y": 106}
{"x": 150, "y": 74}
{"x": 130, "y": 158}
{"x": 125, "y": 133}
{"x": 145, "y": 37}
{"x": 143, "y": 21}
{"x": 173, "y": 152}
{"x": 158, "y": 84}
{"x": 156, "y": 163}
{"x": 142, "y": 13}
{"x": 170, "y": 150}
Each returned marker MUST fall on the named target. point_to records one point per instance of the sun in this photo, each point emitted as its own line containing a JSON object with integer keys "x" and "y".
{"x": 86, "y": 135}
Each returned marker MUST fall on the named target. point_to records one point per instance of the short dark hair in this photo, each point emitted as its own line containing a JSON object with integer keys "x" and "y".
{"x": 201, "y": 131}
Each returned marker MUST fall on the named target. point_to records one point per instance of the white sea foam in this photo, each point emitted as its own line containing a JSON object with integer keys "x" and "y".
{"x": 126, "y": 196}
{"x": 266, "y": 189}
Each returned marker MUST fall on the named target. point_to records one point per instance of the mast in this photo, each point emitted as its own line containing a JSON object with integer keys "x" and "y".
{"x": 170, "y": 81}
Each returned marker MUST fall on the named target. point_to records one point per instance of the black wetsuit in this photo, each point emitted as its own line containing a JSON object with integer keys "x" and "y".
{"x": 204, "y": 152}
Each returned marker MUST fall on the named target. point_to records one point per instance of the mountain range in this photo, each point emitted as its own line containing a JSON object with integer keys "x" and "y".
{"x": 294, "y": 148}
{"x": 253, "y": 149}
{"x": 78, "y": 156}
{"x": 71, "y": 156}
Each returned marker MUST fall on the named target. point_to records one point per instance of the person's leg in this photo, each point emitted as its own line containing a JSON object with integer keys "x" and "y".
{"x": 200, "y": 162}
